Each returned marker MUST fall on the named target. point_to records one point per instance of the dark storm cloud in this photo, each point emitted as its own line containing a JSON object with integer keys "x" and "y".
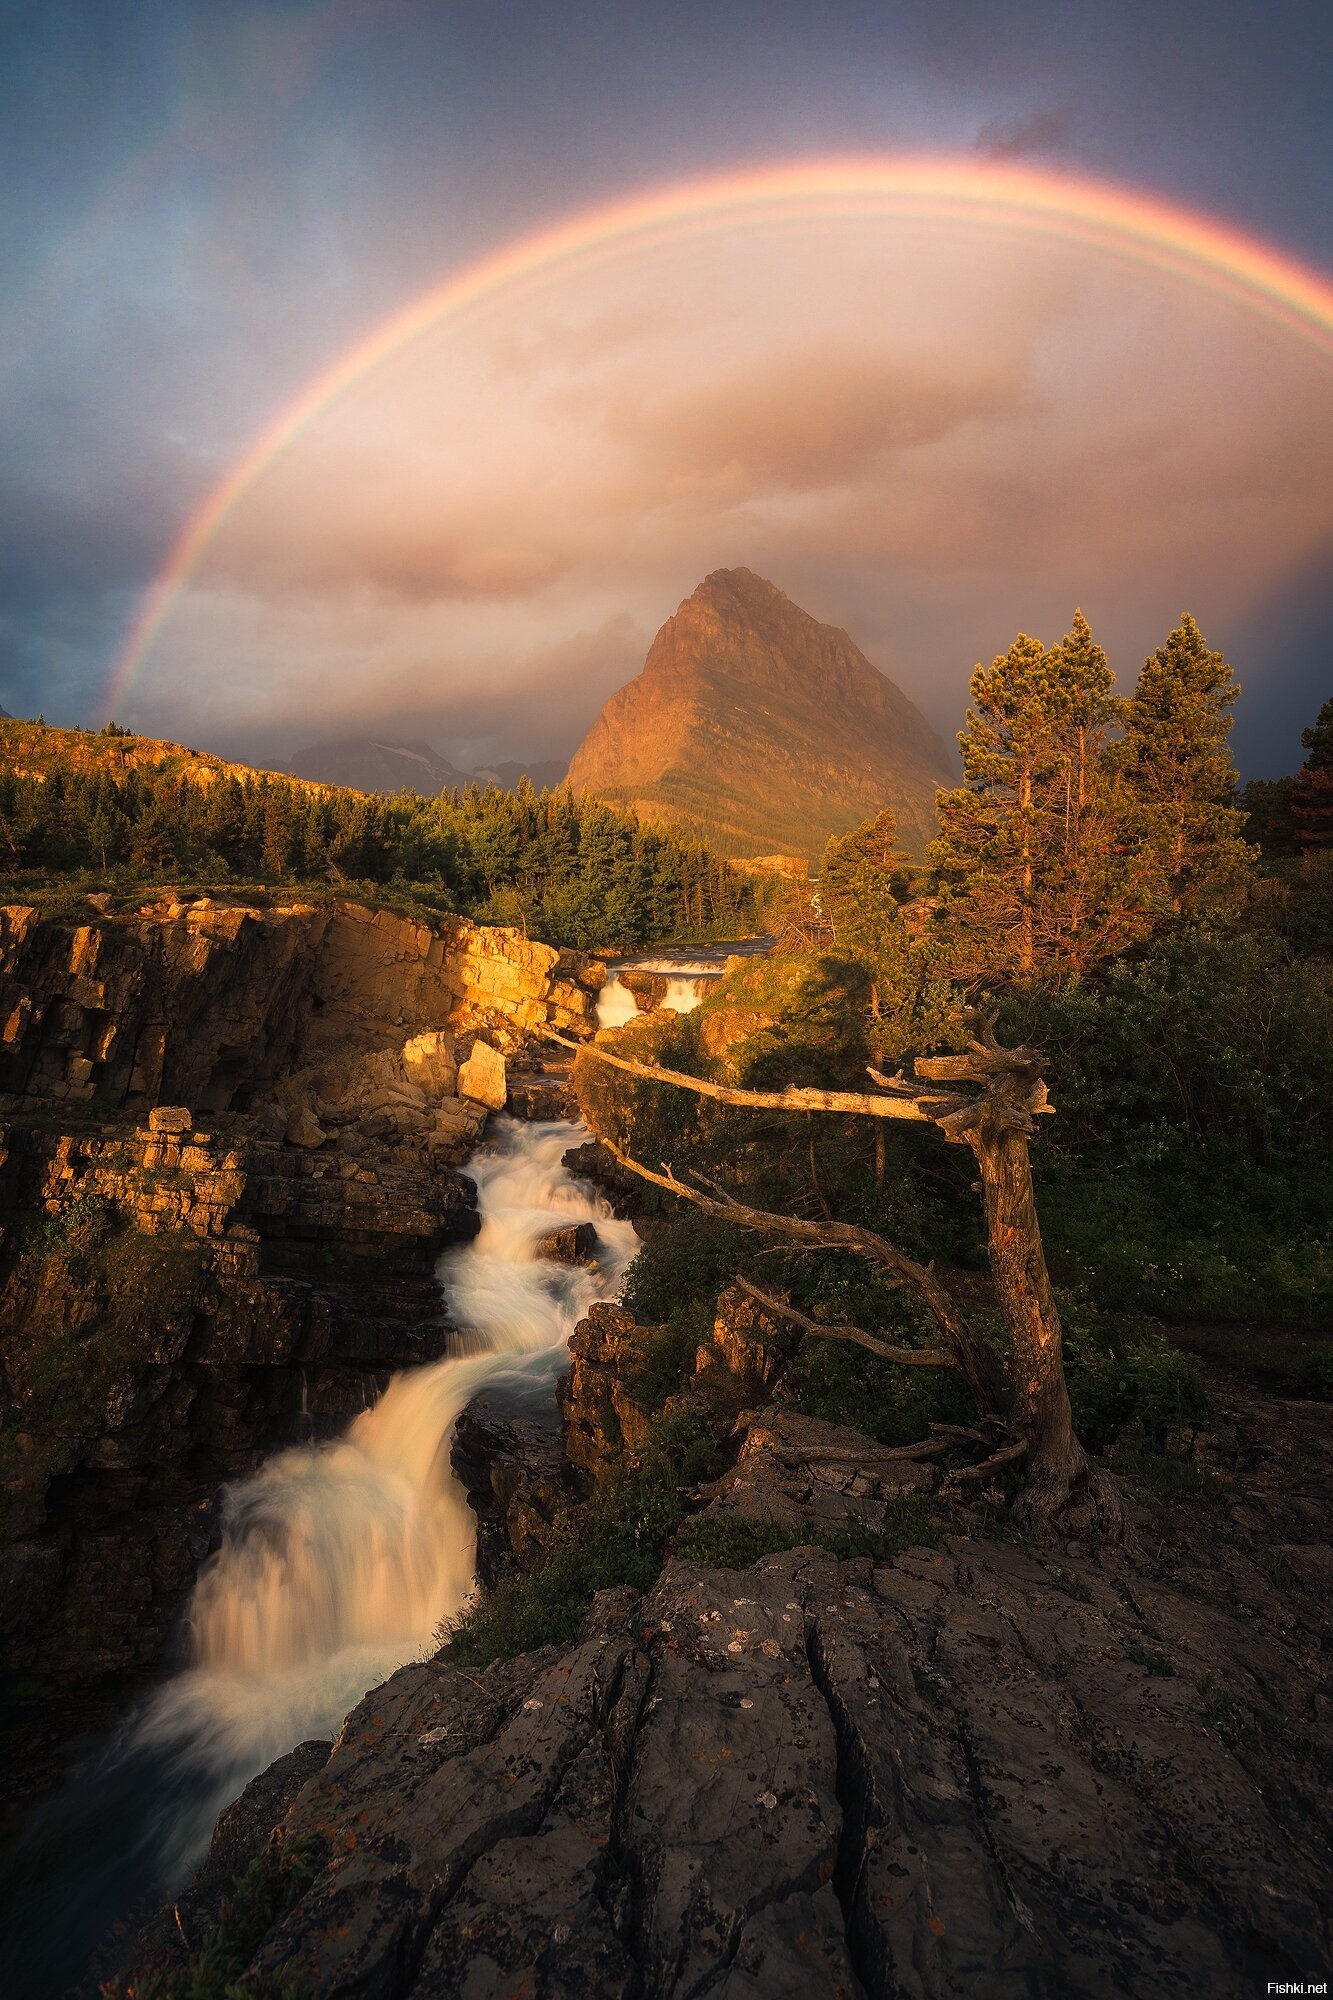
{"x": 203, "y": 201}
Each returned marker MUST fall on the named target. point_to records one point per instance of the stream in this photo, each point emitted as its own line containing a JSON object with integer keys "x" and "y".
{"x": 338, "y": 1564}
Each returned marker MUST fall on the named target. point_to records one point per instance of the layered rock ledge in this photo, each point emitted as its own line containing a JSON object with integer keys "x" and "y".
{"x": 972, "y": 1770}
{"x": 229, "y": 1141}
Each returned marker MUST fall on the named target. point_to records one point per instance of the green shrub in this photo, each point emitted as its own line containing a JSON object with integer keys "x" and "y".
{"x": 668, "y": 1361}
{"x": 843, "y": 1384}
{"x": 276, "y": 1878}
{"x": 728, "y": 1542}
{"x": 1128, "y": 1386}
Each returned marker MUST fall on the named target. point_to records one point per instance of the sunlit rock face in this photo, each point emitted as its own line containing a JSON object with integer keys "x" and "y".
{"x": 763, "y": 728}
{"x": 240, "y": 1128}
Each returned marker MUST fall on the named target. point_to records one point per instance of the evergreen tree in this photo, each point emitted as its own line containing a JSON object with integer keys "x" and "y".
{"x": 911, "y": 1003}
{"x": 1095, "y": 891}
{"x": 1312, "y": 790}
{"x": 993, "y": 826}
{"x": 1178, "y": 768}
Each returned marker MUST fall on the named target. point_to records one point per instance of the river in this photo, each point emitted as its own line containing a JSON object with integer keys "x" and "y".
{"x": 339, "y": 1563}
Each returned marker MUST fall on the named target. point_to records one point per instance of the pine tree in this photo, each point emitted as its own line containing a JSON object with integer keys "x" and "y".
{"x": 1178, "y": 768}
{"x": 1312, "y": 791}
{"x": 911, "y": 1005}
{"x": 1095, "y": 890}
{"x": 993, "y": 827}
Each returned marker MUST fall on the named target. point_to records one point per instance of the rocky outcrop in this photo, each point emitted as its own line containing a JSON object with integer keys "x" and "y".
{"x": 602, "y": 1418}
{"x": 517, "y": 1480}
{"x": 575, "y": 1243}
{"x": 227, "y": 1166}
{"x": 971, "y": 1770}
{"x": 763, "y": 729}
{"x": 747, "y": 1341}
{"x": 209, "y": 1004}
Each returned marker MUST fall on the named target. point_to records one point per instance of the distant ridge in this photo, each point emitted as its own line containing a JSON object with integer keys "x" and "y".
{"x": 763, "y": 729}
{"x": 381, "y": 764}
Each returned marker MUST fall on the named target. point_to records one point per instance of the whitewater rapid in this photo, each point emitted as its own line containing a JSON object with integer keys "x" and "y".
{"x": 340, "y": 1562}
{"x": 616, "y": 1004}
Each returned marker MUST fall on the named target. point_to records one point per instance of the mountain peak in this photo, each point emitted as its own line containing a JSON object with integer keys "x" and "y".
{"x": 762, "y": 727}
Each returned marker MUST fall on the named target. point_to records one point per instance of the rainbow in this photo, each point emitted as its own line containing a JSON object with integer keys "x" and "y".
{"x": 1119, "y": 221}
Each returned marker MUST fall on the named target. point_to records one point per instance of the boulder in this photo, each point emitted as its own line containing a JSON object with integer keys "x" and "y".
{"x": 649, "y": 988}
{"x": 576, "y": 1243}
{"x": 429, "y": 1062}
{"x": 482, "y": 1077}
{"x": 542, "y": 1097}
{"x": 170, "y": 1118}
{"x": 305, "y": 1130}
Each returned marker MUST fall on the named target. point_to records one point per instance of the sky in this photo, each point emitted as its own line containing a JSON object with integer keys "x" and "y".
{"x": 929, "y": 432}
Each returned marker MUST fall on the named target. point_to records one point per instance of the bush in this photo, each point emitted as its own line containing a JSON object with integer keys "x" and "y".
{"x": 273, "y": 1882}
{"x": 1128, "y": 1386}
{"x": 728, "y": 1542}
{"x": 844, "y": 1384}
{"x": 1188, "y": 1171}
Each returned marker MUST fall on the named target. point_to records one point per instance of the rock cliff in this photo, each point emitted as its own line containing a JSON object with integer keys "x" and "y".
{"x": 763, "y": 729}
{"x": 976, "y": 1768}
{"x": 228, "y": 1151}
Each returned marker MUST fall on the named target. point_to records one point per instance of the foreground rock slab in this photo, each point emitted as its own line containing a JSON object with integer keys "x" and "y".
{"x": 973, "y": 1770}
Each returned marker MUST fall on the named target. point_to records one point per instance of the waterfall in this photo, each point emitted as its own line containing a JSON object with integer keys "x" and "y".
{"x": 616, "y": 1004}
{"x": 683, "y": 994}
{"x": 339, "y": 1562}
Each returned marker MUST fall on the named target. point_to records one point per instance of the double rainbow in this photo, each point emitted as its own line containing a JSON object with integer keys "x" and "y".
{"x": 1120, "y": 222}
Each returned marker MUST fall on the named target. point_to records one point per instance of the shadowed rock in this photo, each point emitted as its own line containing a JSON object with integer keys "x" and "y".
{"x": 575, "y": 1243}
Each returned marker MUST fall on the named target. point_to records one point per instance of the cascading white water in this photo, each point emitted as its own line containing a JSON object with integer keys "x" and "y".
{"x": 616, "y": 1004}
{"x": 683, "y": 995}
{"x": 339, "y": 1562}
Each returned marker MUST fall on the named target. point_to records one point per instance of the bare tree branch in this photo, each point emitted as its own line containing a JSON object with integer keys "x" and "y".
{"x": 977, "y": 1363}
{"x": 923, "y": 1107}
{"x": 857, "y": 1455}
{"x": 910, "y": 1357}
{"x": 965, "y": 1474}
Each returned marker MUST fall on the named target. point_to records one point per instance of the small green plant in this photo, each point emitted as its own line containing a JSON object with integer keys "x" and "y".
{"x": 1222, "y": 1712}
{"x": 1129, "y": 1387}
{"x": 1149, "y": 1658}
{"x": 275, "y": 1879}
{"x": 727, "y": 1542}
{"x": 668, "y": 1362}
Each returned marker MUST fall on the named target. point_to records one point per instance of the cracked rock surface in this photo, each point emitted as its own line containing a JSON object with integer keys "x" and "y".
{"x": 973, "y": 1770}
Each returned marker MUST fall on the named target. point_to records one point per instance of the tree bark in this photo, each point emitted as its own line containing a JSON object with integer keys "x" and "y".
{"x": 1040, "y": 1415}
{"x": 900, "y": 1099}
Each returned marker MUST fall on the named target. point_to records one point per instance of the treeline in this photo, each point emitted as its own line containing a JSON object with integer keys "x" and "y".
{"x": 571, "y": 871}
{"x": 1164, "y": 939}
{"x": 1087, "y": 822}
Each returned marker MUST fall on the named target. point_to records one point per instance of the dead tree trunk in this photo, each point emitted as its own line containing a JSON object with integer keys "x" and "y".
{"x": 997, "y": 1123}
{"x": 998, "y": 1126}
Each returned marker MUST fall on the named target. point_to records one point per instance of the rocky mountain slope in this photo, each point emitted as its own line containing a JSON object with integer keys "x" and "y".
{"x": 762, "y": 728}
